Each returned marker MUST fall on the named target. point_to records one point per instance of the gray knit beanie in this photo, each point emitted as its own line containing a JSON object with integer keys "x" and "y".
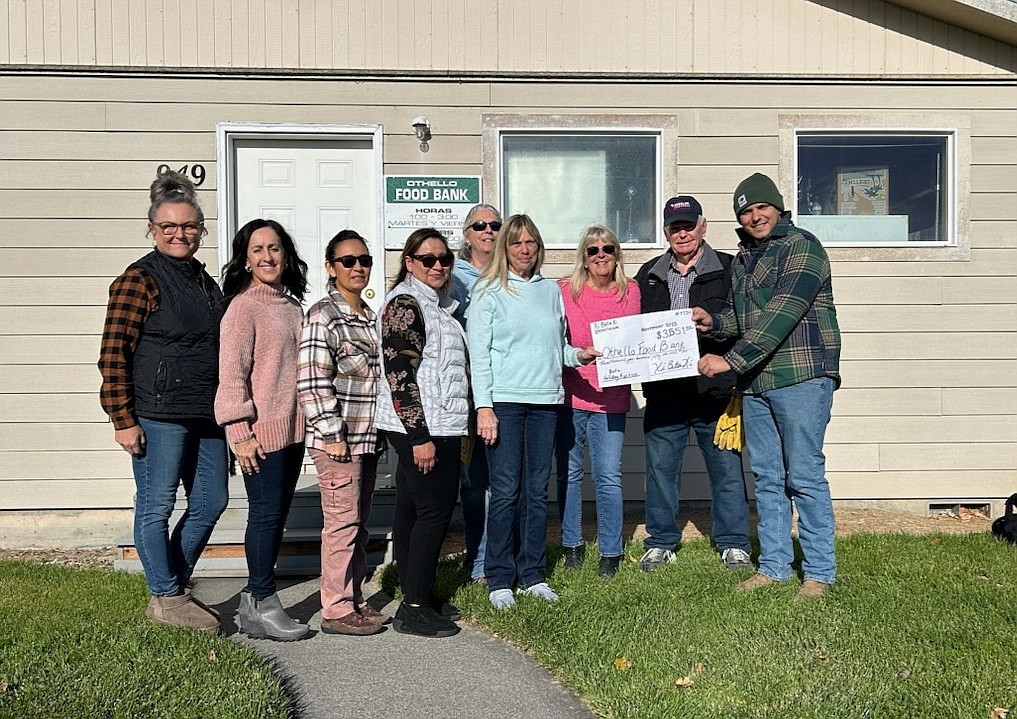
{"x": 757, "y": 188}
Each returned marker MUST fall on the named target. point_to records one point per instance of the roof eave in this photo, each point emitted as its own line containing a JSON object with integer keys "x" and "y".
{"x": 996, "y": 19}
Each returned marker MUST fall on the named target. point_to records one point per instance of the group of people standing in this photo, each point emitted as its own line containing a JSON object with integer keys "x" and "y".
{"x": 477, "y": 371}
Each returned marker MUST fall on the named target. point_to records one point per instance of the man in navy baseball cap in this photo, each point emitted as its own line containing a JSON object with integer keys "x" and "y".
{"x": 689, "y": 274}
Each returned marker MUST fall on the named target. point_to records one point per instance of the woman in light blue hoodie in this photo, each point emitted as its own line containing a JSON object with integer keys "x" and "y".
{"x": 516, "y": 330}
{"x": 479, "y": 232}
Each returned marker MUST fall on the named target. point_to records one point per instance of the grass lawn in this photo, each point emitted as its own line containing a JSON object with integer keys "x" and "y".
{"x": 75, "y": 643}
{"x": 915, "y": 627}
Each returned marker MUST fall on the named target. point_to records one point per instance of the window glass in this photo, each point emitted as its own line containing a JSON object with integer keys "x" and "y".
{"x": 567, "y": 181}
{"x": 875, "y": 188}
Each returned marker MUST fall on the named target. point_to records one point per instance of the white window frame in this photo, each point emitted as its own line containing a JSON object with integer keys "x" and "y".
{"x": 662, "y": 128}
{"x": 950, "y": 192}
{"x": 957, "y": 126}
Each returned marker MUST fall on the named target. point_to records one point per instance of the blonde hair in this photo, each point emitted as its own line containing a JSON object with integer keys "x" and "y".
{"x": 580, "y": 274}
{"x": 497, "y": 270}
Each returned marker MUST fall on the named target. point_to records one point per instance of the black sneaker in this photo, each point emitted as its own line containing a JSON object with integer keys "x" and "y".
{"x": 575, "y": 556}
{"x": 422, "y": 622}
{"x": 609, "y": 566}
{"x": 446, "y": 609}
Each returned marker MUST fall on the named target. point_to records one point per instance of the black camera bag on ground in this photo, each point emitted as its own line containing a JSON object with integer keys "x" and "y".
{"x": 1005, "y": 527}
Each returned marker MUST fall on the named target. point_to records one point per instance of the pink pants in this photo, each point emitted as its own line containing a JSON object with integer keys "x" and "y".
{"x": 347, "y": 489}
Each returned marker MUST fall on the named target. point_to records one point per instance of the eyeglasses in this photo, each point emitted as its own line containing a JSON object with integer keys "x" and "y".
{"x": 191, "y": 229}
{"x": 429, "y": 260}
{"x": 686, "y": 227}
{"x": 480, "y": 226}
{"x": 348, "y": 261}
{"x": 593, "y": 250}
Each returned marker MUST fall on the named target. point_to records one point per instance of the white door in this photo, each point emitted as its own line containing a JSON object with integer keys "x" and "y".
{"x": 313, "y": 188}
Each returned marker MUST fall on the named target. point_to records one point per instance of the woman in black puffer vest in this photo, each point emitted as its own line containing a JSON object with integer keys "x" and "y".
{"x": 159, "y": 361}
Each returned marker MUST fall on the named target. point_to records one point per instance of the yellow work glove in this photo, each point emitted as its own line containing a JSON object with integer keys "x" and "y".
{"x": 729, "y": 427}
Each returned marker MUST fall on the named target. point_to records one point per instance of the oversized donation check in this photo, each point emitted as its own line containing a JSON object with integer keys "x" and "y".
{"x": 645, "y": 348}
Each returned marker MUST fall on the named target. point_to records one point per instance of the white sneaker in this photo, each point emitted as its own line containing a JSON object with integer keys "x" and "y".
{"x": 655, "y": 558}
{"x": 541, "y": 590}
{"x": 736, "y": 559}
{"x": 502, "y": 598}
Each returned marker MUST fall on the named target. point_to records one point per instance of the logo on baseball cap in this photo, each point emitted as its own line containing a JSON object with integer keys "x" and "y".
{"x": 683, "y": 208}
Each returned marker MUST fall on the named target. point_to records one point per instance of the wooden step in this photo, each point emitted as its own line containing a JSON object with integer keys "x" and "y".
{"x": 300, "y": 553}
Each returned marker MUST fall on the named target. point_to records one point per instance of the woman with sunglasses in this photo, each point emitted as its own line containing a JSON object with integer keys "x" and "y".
{"x": 159, "y": 360}
{"x": 337, "y": 385}
{"x": 423, "y": 409}
{"x": 479, "y": 232}
{"x": 517, "y": 342}
{"x": 596, "y": 290}
{"x": 264, "y": 283}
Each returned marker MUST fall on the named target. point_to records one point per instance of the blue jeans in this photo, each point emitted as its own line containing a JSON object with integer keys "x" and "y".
{"x": 665, "y": 451}
{"x": 475, "y": 494}
{"x": 192, "y": 452}
{"x": 269, "y": 494}
{"x": 784, "y": 431}
{"x": 520, "y": 466}
{"x": 605, "y": 433}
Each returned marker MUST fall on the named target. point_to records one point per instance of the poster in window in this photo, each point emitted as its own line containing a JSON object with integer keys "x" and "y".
{"x": 863, "y": 190}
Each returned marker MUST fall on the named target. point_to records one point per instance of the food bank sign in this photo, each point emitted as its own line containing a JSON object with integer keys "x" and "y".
{"x": 419, "y": 201}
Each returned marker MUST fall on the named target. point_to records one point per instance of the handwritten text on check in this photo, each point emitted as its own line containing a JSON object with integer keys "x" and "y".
{"x": 645, "y": 348}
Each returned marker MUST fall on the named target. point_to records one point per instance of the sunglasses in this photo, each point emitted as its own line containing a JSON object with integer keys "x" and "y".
{"x": 348, "y": 261}
{"x": 593, "y": 250}
{"x": 429, "y": 260}
{"x": 480, "y": 226}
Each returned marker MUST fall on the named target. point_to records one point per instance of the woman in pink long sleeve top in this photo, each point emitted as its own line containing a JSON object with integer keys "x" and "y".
{"x": 256, "y": 402}
{"x": 596, "y": 290}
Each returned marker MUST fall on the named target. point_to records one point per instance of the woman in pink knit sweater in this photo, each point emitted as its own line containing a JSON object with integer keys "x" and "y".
{"x": 263, "y": 283}
{"x": 596, "y": 290}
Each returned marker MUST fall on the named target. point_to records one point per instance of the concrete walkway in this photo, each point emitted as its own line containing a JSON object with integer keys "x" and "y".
{"x": 396, "y": 676}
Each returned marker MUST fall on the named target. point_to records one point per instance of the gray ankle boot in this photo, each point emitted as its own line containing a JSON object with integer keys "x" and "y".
{"x": 266, "y": 619}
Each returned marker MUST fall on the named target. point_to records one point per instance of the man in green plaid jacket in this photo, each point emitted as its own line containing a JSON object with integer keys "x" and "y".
{"x": 787, "y": 358}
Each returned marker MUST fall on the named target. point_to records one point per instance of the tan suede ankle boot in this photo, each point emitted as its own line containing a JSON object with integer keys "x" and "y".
{"x": 181, "y": 611}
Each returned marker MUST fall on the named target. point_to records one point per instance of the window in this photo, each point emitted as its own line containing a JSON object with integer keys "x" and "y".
{"x": 566, "y": 180}
{"x": 891, "y": 188}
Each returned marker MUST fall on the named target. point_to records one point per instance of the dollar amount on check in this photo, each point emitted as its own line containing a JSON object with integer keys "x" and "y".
{"x": 645, "y": 348}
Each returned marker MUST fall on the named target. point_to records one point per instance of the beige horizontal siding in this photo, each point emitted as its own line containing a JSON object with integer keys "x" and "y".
{"x": 868, "y": 37}
{"x": 917, "y": 430}
{"x": 64, "y": 407}
{"x": 930, "y": 345}
{"x": 926, "y": 372}
{"x": 38, "y": 436}
{"x": 41, "y": 290}
{"x": 921, "y": 484}
{"x": 82, "y": 378}
{"x": 61, "y": 321}
{"x": 994, "y": 402}
{"x": 91, "y": 493}
{"x": 950, "y": 320}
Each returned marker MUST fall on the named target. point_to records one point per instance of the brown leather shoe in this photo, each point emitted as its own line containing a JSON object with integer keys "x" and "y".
{"x": 181, "y": 611}
{"x": 353, "y": 624}
{"x": 369, "y": 612}
{"x": 756, "y": 581}
{"x": 811, "y": 589}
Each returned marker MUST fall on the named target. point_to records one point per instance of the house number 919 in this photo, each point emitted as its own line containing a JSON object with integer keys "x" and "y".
{"x": 195, "y": 172}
